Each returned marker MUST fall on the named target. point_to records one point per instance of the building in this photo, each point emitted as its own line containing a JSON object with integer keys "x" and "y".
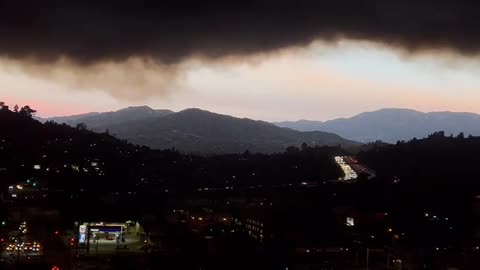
{"x": 255, "y": 223}
{"x": 253, "y": 226}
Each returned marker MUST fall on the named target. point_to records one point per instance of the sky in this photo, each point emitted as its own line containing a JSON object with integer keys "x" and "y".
{"x": 269, "y": 60}
{"x": 319, "y": 83}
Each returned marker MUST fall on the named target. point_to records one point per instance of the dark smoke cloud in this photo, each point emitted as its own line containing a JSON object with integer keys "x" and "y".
{"x": 169, "y": 32}
{"x": 137, "y": 49}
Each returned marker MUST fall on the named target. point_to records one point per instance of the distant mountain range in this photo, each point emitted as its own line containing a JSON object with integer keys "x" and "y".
{"x": 199, "y": 131}
{"x": 392, "y": 125}
{"x": 100, "y": 121}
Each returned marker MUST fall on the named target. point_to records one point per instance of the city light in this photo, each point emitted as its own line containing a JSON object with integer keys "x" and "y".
{"x": 350, "y": 174}
{"x": 350, "y": 221}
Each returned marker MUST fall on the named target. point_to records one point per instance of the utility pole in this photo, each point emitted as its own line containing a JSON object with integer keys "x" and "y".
{"x": 388, "y": 258}
{"x": 88, "y": 238}
{"x": 76, "y": 253}
{"x": 368, "y": 253}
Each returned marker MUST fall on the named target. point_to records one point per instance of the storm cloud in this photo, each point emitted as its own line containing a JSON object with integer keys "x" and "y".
{"x": 167, "y": 33}
{"x": 170, "y": 31}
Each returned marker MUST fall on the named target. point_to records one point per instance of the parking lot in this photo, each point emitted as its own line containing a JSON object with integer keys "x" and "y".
{"x": 101, "y": 244}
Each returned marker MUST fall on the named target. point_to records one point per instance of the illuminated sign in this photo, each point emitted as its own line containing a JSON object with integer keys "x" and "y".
{"x": 81, "y": 239}
{"x": 82, "y": 230}
{"x": 350, "y": 221}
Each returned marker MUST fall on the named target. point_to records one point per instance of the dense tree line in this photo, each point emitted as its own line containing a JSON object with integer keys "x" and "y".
{"x": 435, "y": 162}
{"x": 76, "y": 158}
{"x": 439, "y": 175}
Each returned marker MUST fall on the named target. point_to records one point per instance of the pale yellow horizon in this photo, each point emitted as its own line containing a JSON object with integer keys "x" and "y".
{"x": 318, "y": 83}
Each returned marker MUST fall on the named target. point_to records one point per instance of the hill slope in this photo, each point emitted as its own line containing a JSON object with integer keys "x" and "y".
{"x": 98, "y": 121}
{"x": 78, "y": 160}
{"x": 391, "y": 125}
{"x": 195, "y": 130}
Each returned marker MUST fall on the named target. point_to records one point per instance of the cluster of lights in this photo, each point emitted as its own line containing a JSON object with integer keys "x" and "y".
{"x": 435, "y": 217}
{"x": 333, "y": 249}
{"x": 26, "y": 247}
{"x": 23, "y": 227}
{"x": 347, "y": 170}
{"x": 21, "y": 187}
{"x": 31, "y": 247}
{"x": 11, "y": 247}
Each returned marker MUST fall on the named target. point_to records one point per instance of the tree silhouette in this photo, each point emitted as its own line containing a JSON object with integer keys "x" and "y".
{"x": 81, "y": 126}
{"x": 3, "y": 106}
{"x": 304, "y": 146}
{"x": 437, "y": 134}
{"x": 292, "y": 150}
{"x": 15, "y": 108}
{"x": 27, "y": 111}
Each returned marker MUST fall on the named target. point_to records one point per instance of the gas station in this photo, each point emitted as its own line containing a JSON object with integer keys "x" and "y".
{"x": 109, "y": 237}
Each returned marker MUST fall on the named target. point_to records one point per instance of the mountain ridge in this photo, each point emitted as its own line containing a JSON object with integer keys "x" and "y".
{"x": 195, "y": 130}
{"x": 392, "y": 124}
